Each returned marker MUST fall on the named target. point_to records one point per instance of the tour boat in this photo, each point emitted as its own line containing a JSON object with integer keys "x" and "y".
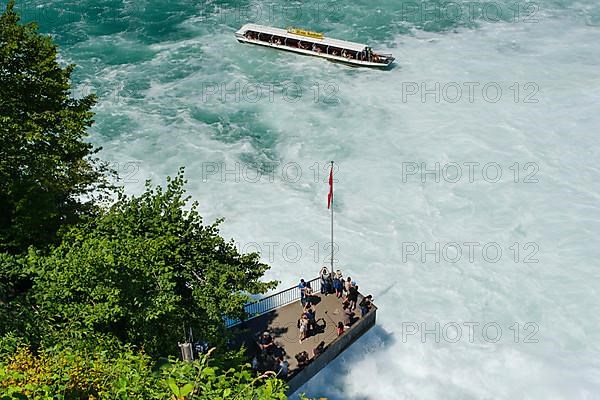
{"x": 313, "y": 44}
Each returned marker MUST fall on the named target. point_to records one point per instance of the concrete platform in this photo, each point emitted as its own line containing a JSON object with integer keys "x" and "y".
{"x": 281, "y": 323}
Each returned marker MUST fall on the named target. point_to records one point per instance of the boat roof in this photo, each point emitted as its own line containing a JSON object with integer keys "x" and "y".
{"x": 284, "y": 33}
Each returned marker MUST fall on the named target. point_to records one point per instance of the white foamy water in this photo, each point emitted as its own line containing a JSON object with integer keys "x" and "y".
{"x": 162, "y": 108}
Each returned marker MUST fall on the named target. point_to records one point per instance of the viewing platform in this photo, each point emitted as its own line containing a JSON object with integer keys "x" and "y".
{"x": 278, "y": 314}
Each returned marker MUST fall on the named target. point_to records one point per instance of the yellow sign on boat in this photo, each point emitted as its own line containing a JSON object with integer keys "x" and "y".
{"x": 302, "y": 32}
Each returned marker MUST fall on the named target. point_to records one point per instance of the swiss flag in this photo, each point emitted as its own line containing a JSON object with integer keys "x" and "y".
{"x": 330, "y": 195}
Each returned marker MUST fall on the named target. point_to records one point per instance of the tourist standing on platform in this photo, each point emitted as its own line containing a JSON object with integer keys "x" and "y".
{"x": 365, "y": 305}
{"x": 338, "y": 283}
{"x": 348, "y": 284}
{"x": 303, "y": 326}
{"x": 325, "y": 281}
{"x": 302, "y": 286}
{"x": 352, "y": 297}
{"x": 308, "y": 293}
{"x": 311, "y": 316}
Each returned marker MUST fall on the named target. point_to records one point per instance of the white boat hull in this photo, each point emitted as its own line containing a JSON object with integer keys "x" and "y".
{"x": 350, "y": 61}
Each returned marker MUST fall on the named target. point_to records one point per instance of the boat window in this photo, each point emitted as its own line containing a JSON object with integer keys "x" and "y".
{"x": 335, "y": 51}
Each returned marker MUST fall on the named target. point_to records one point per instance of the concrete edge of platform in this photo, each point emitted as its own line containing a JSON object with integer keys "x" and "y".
{"x": 334, "y": 349}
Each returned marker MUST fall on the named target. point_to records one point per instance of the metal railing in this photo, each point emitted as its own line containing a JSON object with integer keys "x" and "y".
{"x": 273, "y": 301}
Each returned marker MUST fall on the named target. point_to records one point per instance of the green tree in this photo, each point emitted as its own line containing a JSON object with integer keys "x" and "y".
{"x": 145, "y": 269}
{"x": 47, "y": 171}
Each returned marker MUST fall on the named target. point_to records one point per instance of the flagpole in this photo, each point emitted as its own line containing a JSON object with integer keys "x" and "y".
{"x": 332, "y": 219}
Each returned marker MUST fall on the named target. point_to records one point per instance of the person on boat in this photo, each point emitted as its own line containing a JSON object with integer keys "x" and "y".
{"x": 344, "y": 53}
{"x": 278, "y": 42}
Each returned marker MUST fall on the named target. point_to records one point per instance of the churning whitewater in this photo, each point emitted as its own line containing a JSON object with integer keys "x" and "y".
{"x": 467, "y": 187}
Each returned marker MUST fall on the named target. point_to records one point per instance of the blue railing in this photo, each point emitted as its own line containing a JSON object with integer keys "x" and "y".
{"x": 274, "y": 301}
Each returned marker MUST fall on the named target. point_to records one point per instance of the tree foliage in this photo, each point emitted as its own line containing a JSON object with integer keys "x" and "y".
{"x": 71, "y": 374}
{"x": 145, "y": 269}
{"x": 46, "y": 166}
{"x": 92, "y": 296}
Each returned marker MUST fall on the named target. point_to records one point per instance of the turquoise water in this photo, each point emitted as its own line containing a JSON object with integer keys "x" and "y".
{"x": 166, "y": 75}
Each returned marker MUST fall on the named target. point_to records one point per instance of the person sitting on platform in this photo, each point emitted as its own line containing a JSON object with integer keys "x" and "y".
{"x": 302, "y": 359}
{"x": 283, "y": 368}
{"x": 340, "y": 328}
{"x": 317, "y": 351}
{"x": 265, "y": 341}
{"x": 277, "y": 351}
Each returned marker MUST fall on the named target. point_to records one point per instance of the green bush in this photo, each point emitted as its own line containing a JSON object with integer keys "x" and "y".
{"x": 71, "y": 374}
